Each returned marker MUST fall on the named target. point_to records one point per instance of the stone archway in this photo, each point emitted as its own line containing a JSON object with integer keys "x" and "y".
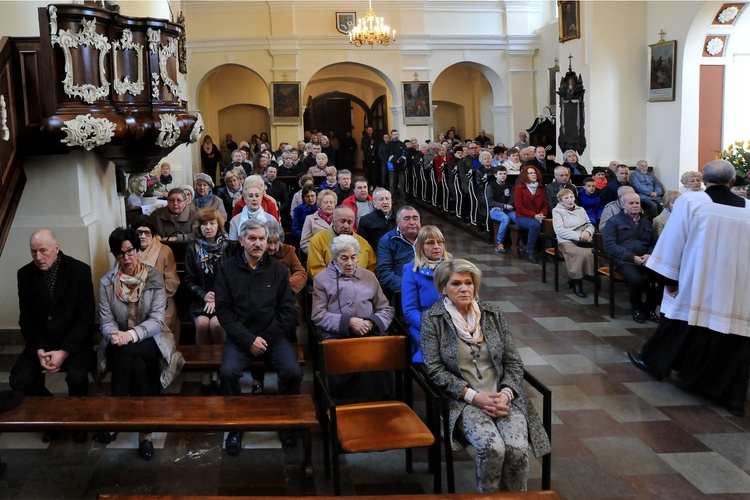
{"x": 234, "y": 99}
{"x": 465, "y": 95}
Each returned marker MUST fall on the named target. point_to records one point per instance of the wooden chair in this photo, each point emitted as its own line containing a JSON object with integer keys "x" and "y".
{"x": 373, "y": 425}
{"x": 551, "y": 250}
{"x": 438, "y": 399}
{"x": 604, "y": 267}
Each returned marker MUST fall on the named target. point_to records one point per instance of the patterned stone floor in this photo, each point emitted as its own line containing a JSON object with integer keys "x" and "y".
{"x": 616, "y": 432}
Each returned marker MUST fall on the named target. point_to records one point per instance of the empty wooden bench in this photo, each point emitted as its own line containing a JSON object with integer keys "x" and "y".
{"x": 208, "y": 357}
{"x": 168, "y": 414}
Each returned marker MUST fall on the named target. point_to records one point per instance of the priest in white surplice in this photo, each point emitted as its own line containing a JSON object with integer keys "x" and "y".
{"x": 704, "y": 255}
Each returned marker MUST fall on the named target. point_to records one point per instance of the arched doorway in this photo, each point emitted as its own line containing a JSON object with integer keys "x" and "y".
{"x": 464, "y": 94}
{"x": 346, "y": 97}
{"x": 234, "y": 100}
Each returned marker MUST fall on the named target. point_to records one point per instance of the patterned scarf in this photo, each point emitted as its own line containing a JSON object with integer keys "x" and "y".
{"x": 327, "y": 218}
{"x": 129, "y": 288}
{"x": 235, "y": 194}
{"x": 50, "y": 276}
{"x": 469, "y": 330}
{"x": 209, "y": 254}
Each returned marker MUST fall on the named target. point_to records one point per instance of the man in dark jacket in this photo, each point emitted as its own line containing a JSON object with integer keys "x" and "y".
{"x": 56, "y": 302}
{"x": 374, "y": 225}
{"x": 255, "y": 306}
{"x": 396, "y": 248}
{"x": 397, "y": 158}
{"x": 629, "y": 240}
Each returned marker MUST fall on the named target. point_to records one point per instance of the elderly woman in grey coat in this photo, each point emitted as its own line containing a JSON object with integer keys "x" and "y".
{"x": 348, "y": 302}
{"x": 470, "y": 354}
{"x": 575, "y": 236}
{"x": 138, "y": 345}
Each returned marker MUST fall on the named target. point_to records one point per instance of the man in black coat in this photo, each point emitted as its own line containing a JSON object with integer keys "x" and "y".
{"x": 56, "y": 302}
{"x": 254, "y": 304}
{"x": 374, "y": 225}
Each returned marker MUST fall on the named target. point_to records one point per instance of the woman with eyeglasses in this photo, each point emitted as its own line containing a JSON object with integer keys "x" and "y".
{"x": 418, "y": 292}
{"x": 140, "y": 349}
{"x": 161, "y": 258}
{"x": 469, "y": 353}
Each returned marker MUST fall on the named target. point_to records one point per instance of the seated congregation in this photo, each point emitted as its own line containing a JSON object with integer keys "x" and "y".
{"x": 214, "y": 261}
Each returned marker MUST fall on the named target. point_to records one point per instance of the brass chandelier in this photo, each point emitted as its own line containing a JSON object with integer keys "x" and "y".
{"x": 371, "y": 29}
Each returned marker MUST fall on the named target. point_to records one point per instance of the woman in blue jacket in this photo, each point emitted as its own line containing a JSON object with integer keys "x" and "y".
{"x": 418, "y": 291}
{"x": 308, "y": 207}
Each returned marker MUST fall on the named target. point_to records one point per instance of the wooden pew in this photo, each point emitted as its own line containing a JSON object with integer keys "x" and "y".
{"x": 208, "y": 357}
{"x": 168, "y": 414}
{"x": 511, "y": 495}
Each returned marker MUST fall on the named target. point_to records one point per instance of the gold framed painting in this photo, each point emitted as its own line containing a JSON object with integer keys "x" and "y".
{"x": 285, "y": 103}
{"x": 661, "y": 72}
{"x": 569, "y": 19}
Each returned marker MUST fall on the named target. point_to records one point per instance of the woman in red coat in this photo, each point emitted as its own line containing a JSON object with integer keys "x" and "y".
{"x": 531, "y": 206}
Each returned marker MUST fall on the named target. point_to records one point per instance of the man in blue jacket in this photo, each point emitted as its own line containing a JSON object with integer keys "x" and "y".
{"x": 255, "y": 306}
{"x": 396, "y": 248}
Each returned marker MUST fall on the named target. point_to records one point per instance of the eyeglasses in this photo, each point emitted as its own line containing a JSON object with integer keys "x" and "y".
{"x": 434, "y": 243}
{"x": 142, "y": 232}
{"x": 129, "y": 252}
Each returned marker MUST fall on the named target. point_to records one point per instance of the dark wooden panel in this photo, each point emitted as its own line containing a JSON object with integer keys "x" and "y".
{"x": 162, "y": 414}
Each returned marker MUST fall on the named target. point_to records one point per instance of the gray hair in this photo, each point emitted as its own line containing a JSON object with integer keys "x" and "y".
{"x": 327, "y": 192}
{"x": 274, "y": 230}
{"x": 342, "y": 243}
{"x": 718, "y": 172}
{"x": 404, "y": 209}
{"x": 685, "y": 178}
{"x": 377, "y": 192}
{"x": 343, "y": 171}
{"x": 444, "y": 270}
{"x": 623, "y": 190}
{"x": 252, "y": 224}
{"x": 321, "y": 154}
{"x": 485, "y": 153}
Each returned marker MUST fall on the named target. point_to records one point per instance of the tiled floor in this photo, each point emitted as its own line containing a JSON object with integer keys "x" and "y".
{"x": 616, "y": 432}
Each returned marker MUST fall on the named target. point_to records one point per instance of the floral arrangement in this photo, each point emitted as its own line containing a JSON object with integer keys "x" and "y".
{"x": 146, "y": 184}
{"x": 738, "y": 156}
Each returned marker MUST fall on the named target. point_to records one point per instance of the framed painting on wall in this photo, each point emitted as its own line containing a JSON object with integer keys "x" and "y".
{"x": 285, "y": 103}
{"x": 417, "y": 108}
{"x": 569, "y": 19}
{"x": 345, "y": 22}
{"x": 661, "y": 71}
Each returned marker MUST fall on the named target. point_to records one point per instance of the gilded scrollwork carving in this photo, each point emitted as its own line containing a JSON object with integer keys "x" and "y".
{"x": 169, "y": 130}
{"x": 182, "y": 47}
{"x": 87, "y": 36}
{"x": 88, "y": 132}
{"x": 125, "y": 85}
{"x": 198, "y": 129}
{"x": 4, "y": 118}
{"x": 164, "y": 52}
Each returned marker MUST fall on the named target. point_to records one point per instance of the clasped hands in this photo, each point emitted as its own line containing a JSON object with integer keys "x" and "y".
{"x": 51, "y": 361}
{"x": 118, "y": 337}
{"x": 494, "y": 404}
{"x": 360, "y": 327}
{"x": 210, "y": 300}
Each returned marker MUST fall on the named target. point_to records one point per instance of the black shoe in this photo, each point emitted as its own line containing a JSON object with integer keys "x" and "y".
{"x": 531, "y": 258}
{"x": 652, "y": 316}
{"x": 104, "y": 437}
{"x": 578, "y": 288}
{"x": 146, "y": 449}
{"x": 208, "y": 389}
{"x": 638, "y": 317}
{"x": 570, "y": 284}
{"x": 635, "y": 358}
{"x": 234, "y": 443}
{"x": 50, "y": 436}
{"x": 79, "y": 437}
{"x": 736, "y": 408}
{"x": 288, "y": 438}
{"x": 257, "y": 388}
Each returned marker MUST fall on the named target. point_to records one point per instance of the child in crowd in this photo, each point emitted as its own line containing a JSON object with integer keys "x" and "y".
{"x": 330, "y": 182}
{"x": 600, "y": 177}
{"x": 591, "y": 199}
{"x": 498, "y": 156}
{"x": 500, "y": 200}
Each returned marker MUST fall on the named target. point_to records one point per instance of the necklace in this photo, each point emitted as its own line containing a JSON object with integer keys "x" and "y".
{"x": 475, "y": 351}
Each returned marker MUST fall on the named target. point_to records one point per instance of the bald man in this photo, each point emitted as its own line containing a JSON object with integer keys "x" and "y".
{"x": 56, "y": 302}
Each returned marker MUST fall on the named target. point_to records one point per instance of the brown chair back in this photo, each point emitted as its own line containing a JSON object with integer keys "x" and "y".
{"x": 364, "y": 354}
{"x": 547, "y": 227}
